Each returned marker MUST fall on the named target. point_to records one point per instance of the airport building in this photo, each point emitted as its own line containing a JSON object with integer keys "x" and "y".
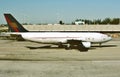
{"x": 114, "y": 28}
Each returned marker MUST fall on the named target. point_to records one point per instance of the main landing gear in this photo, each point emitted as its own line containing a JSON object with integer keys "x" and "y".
{"x": 78, "y": 46}
{"x": 74, "y": 44}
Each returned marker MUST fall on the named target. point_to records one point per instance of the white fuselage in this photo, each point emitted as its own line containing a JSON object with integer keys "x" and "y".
{"x": 57, "y": 37}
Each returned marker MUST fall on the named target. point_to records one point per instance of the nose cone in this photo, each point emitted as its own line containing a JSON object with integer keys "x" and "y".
{"x": 109, "y": 38}
{"x": 106, "y": 38}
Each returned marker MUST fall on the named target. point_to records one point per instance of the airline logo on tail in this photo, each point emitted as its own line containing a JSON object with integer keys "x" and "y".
{"x": 13, "y": 24}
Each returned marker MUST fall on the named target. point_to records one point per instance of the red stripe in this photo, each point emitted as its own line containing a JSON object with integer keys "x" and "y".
{"x": 9, "y": 21}
{"x": 16, "y": 30}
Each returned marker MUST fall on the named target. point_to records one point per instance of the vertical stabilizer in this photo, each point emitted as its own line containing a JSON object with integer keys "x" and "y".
{"x": 13, "y": 24}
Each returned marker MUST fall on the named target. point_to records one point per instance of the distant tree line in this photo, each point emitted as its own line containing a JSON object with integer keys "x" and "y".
{"x": 106, "y": 21}
{"x": 112, "y": 21}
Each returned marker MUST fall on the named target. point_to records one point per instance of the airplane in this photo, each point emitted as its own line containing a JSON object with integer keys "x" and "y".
{"x": 82, "y": 40}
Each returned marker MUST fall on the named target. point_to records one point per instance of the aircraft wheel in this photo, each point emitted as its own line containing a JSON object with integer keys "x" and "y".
{"x": 60, "y": 46}
{"x": 68, "y": 47}
{"x": 82, "y": 49}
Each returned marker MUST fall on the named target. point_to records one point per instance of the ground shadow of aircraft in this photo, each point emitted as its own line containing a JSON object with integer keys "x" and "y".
{"x": 42, "y": 47}
{"x": 105, "y": 46}
{"x": 49, "y": 47}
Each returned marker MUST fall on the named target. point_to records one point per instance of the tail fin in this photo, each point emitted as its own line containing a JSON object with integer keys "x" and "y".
{"x": 13, "y": 24}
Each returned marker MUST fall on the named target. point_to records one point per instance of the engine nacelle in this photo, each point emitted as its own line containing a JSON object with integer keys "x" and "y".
{"x": 86, "y": 44}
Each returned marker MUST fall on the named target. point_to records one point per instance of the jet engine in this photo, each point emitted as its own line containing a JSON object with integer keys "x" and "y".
{"x": 86, "y": 44}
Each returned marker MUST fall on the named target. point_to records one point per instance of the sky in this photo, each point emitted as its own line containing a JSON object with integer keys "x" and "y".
{"x": 52, "y": 11}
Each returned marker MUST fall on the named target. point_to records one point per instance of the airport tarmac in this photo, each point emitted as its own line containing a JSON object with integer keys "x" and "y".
{"x": 28, "y": 59}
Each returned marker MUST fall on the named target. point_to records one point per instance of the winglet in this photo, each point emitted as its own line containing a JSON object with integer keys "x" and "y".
{"x": 13, "y": 24}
